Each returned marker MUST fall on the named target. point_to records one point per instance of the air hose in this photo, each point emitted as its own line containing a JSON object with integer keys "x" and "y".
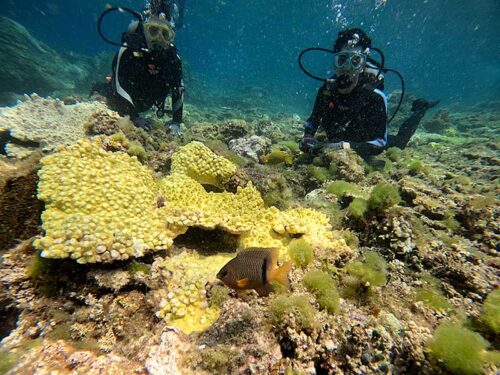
{"x": 380, "y": 66}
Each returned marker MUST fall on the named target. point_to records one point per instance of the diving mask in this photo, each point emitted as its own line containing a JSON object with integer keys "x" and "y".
{"x": 159, "y": 33}
{"x": 356, "y": 60}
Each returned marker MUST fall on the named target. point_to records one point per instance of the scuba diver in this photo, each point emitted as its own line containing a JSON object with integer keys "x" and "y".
{"x": 351, "y": 107}
{"x": 147, "y": 68}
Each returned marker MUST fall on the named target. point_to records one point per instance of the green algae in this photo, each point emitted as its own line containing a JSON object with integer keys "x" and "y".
{"x": 319, "y": 173}
{"x": 137, "y": 149}
{"x": 137, "y": 267}
{"x": 433, "y": 297}
{"x": 218, "y": 295}
{"x": 350, "y": 237}
{"x": 217, "y": 360}
{"x": 364, "y": 276}
{"x": 300, "y": 252}
{"x": 459, "y": 349}
{"x": 357, "y": 208}
{"x": 416, "y": 167}
{"x": 291, "y": 145}
{"x": 7, "y": 361}
{"x": 324, "y": 288}
{"x": 394, "y": 154}
{"x": 491, "y": 311}
{"x": 382, "y": 197}
{"x": 297, "y": 305}
{"x": 38, "y": 267}
{"x": 343, "y": 188}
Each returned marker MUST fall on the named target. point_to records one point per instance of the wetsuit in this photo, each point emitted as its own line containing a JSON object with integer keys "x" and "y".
{"x": 143, "y": 79}
{"x": 359, "y": 117}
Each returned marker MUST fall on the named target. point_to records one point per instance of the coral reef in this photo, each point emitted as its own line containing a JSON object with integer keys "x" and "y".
{"x": 414, "y": 253}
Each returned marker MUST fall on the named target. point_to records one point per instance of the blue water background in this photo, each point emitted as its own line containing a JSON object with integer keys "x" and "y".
{"x": 446, "y": 49}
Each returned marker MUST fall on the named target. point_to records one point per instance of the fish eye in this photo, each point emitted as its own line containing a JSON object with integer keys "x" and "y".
{"x": 223, "y": 273}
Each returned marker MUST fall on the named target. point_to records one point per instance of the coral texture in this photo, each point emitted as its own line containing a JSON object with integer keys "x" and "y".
{"x": 48, "y": 122}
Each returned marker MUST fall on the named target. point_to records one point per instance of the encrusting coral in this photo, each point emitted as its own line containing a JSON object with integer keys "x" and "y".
{"x": 49, "y": 122}
{"x": 103, "y": 206}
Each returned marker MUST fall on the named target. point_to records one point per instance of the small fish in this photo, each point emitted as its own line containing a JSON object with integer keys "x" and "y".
{"x": 255, "y": 268}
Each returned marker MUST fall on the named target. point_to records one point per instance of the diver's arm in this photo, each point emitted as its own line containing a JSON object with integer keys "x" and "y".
{"x": 377, "y": 123}
{"x": 312, "y": 124}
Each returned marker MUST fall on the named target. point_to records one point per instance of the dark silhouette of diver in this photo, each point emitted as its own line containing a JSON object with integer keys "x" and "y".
{"x": 352, "y": 108}
{"x": 147, "y": 68}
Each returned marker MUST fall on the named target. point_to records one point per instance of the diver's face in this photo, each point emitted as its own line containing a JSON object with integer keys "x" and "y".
{"x": 159, "y": 34}
{"x": 349, "y": 63}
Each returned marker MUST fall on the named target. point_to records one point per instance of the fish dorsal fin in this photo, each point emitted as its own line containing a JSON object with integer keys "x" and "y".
{"x": 280, "y": 274}
{"x": 260, "y": 249}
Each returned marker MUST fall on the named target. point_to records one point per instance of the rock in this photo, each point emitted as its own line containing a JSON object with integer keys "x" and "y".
{"x": 165, "y": 358}
{"x": 254, "y": 147}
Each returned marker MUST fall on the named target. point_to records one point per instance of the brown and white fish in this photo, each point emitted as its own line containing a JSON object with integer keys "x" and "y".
{"x": 255, "y": 268}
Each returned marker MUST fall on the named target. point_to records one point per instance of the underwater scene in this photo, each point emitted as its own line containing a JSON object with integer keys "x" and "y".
{"x": 249, "y": 187}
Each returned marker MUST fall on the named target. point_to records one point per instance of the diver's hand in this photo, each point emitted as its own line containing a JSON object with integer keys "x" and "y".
{"x": 308, "y": 144}
{"x": 143, "y": 123}
{"x": 174, "y": 127}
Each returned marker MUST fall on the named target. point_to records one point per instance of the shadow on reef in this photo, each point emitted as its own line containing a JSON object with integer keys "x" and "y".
{"x": 19, "y": 208}
{"x": 8, "y": 316}
{"x": 207, "y": 242}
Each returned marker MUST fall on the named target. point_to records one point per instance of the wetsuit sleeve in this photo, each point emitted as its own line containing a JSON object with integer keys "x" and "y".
{"x": 177, "y": 85}
{"x": 314, "y": 121}
{"x": 376, "y": 120}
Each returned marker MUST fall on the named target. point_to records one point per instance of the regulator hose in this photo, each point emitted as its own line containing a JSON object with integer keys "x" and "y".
{"x": 380, "y": 66}
{"x": 121, "y": 10}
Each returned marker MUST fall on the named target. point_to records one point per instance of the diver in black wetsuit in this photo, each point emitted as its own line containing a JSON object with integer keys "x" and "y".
{"x": 147, "y": 68}
{"x": 352, "y": 108}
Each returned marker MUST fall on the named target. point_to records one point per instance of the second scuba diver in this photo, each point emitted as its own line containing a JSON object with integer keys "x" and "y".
{"x": 147, "y": 68}
{"x": 352, "y": 108}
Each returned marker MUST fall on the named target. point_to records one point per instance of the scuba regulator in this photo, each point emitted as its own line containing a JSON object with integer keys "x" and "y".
{"x": 375, "y": 66}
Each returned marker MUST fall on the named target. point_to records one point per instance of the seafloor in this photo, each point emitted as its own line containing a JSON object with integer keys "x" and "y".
{"x": 111, "y": 237}
{"x": 418, "y": 251}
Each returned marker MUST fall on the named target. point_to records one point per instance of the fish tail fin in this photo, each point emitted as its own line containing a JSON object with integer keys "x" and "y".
{"x": 281, "y": 274}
